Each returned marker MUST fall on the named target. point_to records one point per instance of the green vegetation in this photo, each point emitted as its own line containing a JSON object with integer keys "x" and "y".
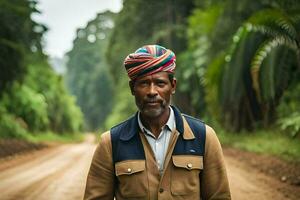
{"x": 50, "y": 137}
{"x": 254, "y": 84}
{"x": 230, "y": 58}
{"x": 87, "y": 74}
{"x": 33, "y": 99}
{"x": 19, "y": 35}
{"x": 269, "y": 142}
{"x": 288, "y": 111}
{"x": 238, "y": 64}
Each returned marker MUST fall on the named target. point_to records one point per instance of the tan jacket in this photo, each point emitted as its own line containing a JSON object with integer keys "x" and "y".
{"x": 141, "y": 180}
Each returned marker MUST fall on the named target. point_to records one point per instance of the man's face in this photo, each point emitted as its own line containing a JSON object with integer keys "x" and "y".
{"x": 153, "y": 94}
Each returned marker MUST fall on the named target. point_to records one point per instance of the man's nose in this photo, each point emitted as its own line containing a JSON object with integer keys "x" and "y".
{"x": 152, "y": 90}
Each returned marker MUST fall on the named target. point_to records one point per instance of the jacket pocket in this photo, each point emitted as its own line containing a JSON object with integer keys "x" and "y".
{"x": 132, "y": 178}
{"x": 185, "y": 174}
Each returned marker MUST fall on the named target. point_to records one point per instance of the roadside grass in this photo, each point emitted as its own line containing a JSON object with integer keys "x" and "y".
{"x": 269, "y": 142}
{"x": 50, "y": 137}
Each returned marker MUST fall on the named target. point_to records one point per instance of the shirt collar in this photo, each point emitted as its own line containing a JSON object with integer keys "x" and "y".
{"x": 130, "y": 127}
{"x": 171, "y": 124}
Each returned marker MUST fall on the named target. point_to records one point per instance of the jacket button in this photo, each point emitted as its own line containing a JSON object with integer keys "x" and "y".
{"x": 189, "y": 165}
{"x": 129, "y": 170}
{"x": 161, "y": 190}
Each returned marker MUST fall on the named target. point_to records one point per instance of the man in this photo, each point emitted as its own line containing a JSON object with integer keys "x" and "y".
{"x": 158, "y": 154}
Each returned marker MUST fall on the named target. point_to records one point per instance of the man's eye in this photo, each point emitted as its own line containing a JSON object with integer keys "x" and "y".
{"x": 161, "y": 83}
{"x": 143, "y": 83}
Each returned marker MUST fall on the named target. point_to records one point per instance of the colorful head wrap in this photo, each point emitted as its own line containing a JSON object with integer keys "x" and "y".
{"x": 148, "y": 60}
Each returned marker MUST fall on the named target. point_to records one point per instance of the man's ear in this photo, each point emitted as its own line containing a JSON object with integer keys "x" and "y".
{"x": 131, "y": 85}
{"x": 173, "y": 84}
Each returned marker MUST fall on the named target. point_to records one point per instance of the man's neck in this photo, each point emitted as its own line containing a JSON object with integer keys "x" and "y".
{"x": 155, "y": 124}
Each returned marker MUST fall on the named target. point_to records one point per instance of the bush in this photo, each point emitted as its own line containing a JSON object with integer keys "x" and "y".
{"x": 62, "y": 112}
{"x": 27, "y": 105}
{"x": 288, "y": 111}
{"x": 10, "y": 126}
{"x": 291, "y": 124}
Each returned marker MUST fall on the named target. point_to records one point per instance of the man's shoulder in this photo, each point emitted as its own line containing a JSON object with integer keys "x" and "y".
{"x": 122, "y": 125}
{"x": 197, "y": 126}
{"x": 195, "y": 121}
{"x": 192, "y": 119}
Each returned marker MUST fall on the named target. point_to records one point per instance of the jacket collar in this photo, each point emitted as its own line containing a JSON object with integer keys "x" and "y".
{"x": 188, "y": 133}
{"x": 182, "y": 127}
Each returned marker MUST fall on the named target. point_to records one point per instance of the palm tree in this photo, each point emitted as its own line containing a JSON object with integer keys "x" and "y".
{"x": 261, "y": 62}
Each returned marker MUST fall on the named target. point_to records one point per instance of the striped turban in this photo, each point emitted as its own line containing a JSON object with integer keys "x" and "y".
{"x": 148, "y": 60}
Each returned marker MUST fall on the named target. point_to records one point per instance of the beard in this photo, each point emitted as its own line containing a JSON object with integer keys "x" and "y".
{"x": 152, "y": 111}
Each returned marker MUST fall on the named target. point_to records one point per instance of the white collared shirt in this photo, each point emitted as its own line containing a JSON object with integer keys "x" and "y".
{"x": 160, "y": 144}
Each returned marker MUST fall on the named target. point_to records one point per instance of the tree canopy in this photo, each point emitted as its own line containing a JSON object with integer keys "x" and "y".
{"x": 238, "y": 65}
{"x": 87, "y": 74}
{"x": 33, "y": 98}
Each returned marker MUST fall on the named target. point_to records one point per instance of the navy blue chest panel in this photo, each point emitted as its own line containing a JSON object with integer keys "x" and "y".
{"x": 131, "y": 148}
{"x": 195, "y": 146}
{"x": 127, "y": 149}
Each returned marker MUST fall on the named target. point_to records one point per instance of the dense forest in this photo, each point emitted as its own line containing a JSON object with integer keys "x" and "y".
{"x": 238, "y": 65}
{"x": 33, "y": 98}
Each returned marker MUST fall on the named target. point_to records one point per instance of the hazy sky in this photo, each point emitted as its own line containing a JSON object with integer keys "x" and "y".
{"x": 63, "y": 17}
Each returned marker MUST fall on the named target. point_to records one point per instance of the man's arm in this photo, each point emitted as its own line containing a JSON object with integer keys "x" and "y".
{"x": 214, "y": 182}
{"x": 100, "y": 180}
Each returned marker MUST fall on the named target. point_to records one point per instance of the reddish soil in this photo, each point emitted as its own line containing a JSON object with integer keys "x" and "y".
{"x": 288, "y": 172}
{"x": 10, "y": 147}
{"x": 255, "y": 176}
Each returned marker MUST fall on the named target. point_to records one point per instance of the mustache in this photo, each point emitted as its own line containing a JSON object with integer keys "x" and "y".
{"x": 153, "y": 100}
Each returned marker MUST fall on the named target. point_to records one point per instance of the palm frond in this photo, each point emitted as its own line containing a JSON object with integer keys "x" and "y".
{"x": 273, "y": 22}
{"x": 262, "y": 52}
{"x": 253, "y": 59}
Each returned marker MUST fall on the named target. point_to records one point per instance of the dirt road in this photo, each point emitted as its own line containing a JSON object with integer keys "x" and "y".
{"x": 249, "y": 184}
{"x": 60, "y": 173}
{"x": 50, "y": 174}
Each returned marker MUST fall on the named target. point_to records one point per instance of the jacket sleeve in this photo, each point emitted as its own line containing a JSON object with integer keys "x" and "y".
{"x": 214, "y": 182}
{"x": 100, "y": 179}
